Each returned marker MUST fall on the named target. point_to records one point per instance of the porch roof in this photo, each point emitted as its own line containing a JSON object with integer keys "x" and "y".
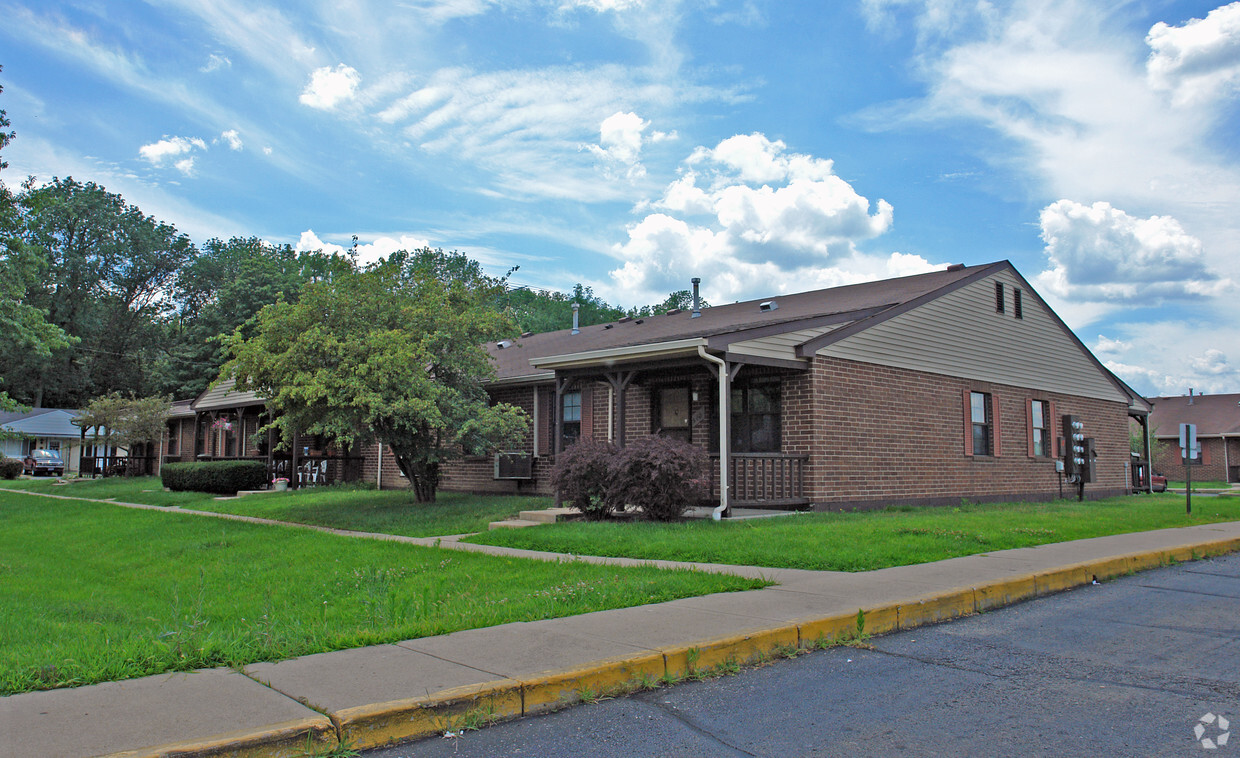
{"x": 224, "y": 396}
{"x": 675, "y": 333}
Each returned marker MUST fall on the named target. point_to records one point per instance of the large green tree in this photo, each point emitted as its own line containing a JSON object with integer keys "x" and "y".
{"x": 24, "y": 329}
{"x": 221, "y": 290}
{"x": 107, "y": 274}
{"x": 392, "y": 352}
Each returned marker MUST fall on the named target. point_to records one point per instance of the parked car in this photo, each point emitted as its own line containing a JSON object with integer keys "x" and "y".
{"x": 1158, "y": 483}
{"x": 46, "y": 462}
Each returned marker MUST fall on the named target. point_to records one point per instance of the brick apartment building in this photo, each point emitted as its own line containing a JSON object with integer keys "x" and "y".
{"x": 925, "y": 389}
{"x": 1218, "y": 431}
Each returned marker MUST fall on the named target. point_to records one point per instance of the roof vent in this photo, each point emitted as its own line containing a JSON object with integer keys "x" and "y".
{"x": 640, "y": 321}
{"x": 576, "y": 328}
{"x": 768, "y": 305}
{"x": 673, "y": 312}
{"x": 697, "y": 300}
{"x": 608, "y": 326}
{"x": 624, "y": 320}
{"x": 503, "y": 344}
{"x": 955, "y": 267}
{"x": 527, "y": 334}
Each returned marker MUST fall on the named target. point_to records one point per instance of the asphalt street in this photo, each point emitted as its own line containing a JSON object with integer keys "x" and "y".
{"x": 1144, "y": 665}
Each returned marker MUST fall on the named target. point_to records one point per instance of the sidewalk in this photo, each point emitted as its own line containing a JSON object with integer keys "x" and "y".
{"x": 370, "y": 696}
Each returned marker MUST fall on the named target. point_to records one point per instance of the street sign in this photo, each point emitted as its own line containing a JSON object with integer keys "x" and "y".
{"x": 1188, "y": 441}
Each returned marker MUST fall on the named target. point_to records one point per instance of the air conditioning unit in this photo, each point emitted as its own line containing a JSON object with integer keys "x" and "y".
{"x": 515, "y": 465}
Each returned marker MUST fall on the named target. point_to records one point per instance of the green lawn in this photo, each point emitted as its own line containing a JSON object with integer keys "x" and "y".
{"x": 91, "y": 592}
{"x": 341, "y": 507}
{"x": 1207, "y": 485}
{"x": 864, "y": 541}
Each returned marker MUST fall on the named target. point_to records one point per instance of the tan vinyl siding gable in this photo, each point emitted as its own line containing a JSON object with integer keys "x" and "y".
{"x": 960, "y": 334}
{"x": 783, "y": 346}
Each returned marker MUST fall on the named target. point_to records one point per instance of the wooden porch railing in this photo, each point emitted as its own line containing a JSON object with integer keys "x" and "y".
{"x": 763, "y": 479}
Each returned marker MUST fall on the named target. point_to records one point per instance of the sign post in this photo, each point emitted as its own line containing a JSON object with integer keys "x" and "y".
{"x": 1188, "y": 451}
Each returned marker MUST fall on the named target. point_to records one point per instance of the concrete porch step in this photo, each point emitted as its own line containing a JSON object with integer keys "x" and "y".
{"x": 513, "y": 523}
{"x": 551, "y": 515}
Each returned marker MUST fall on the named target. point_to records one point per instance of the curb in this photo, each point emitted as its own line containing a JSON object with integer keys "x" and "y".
{"x": 474, "y": 706}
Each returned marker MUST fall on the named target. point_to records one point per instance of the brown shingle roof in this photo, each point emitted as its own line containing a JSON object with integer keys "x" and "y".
{"x": 1213, "y": 414}
{"x": 513, "y": 362}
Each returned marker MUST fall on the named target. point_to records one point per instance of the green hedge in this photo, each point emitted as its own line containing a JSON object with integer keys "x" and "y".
{"x": 219, "y": 477}
{"x": 10, "y": 468}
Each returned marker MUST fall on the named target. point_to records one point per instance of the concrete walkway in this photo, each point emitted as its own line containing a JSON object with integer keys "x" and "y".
{"x": 370, "y": 696}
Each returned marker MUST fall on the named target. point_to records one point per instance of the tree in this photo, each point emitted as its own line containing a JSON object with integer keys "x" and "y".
{"x": 221, "y": 290}
{"x": 126, "y": 421}
{"x": 24, "y": 329}
{"x": 107, "y": 274}
{"x": 392, "y": 352}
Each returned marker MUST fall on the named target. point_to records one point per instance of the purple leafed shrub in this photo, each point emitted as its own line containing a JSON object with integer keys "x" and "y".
{"x": 660, "y": 475}
{"x": 582, "y": 475}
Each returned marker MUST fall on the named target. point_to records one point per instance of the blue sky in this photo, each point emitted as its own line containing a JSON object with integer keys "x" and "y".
{"x": 766, "y": 146}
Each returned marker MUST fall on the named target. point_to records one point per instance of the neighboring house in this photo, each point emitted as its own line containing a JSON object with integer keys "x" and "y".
{"x": 1218, "y": 431}
{"x": 46, "y": 429}
{"x": 222, "y": 424}
{"x": 925, "y": 389}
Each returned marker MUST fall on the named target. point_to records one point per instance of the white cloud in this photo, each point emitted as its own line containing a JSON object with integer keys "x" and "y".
{"x": 328, "y": 87}
{"x": 1107, "y": 345}
{"x": 170, "y": 148}
{"x": 1198, "y": 60}
{"x": 764, "y": 221}
{"x": 620, "y": 143}
{"x": 215, "y": 62}
{"x": 370, "y": 252}
{"x": 1169, "y": 357}
{"x": 232, "y": 138}
{"x": 603, "y": 6}
{"x": 1101, "y": 253}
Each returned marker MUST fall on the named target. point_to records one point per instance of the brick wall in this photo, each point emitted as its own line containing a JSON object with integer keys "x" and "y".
{"x": 1214, "y": 467}
{"x": 880, "y": 435}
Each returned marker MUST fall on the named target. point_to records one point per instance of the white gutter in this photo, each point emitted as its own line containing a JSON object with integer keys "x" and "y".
{"x": 724, "y": 394}
{"x": 613, "y": 355}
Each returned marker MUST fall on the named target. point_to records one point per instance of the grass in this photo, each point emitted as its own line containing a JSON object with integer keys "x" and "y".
{"x": 341, "y": 507}
{"x": 1207, "y": 485}
{"x": 864, "y": 541}
{"x": 91, "y": 592}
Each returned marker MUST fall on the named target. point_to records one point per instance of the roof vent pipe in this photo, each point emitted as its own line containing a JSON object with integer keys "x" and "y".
{"x": 576, "y": 328}
{"x": 1190, "y": 395}
{"x": 697, "y": 301}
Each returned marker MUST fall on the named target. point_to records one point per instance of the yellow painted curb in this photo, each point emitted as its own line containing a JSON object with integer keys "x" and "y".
{"x": 448, "y": 710}
{"x": 555, "y": 689}
{"x": 932, "y": 609}
{"x": 1107, "y": 568}
{"x": 830, "y": 629}
{"x": 1004, "y": 592}
{"x": 1063, "y": 578}
{"x": 740, "y": 648}
{"x": 286, "y": 740}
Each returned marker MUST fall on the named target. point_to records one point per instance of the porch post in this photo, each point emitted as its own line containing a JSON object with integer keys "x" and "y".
{"x": 1149, "y": 458}
{"x": 619, "y": 381}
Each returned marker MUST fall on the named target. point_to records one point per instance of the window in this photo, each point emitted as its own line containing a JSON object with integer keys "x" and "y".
{"x": 1017, "y": 306}
{"x": 173, "y": 439}
{"x": 671, "y": 412}
{"x": 999, "y": 297}
{"x": 979, "y": 413}
{"x": 756, "y": 416}
{"x": 1039, "y": 429}
{"x": 570, "y": 429}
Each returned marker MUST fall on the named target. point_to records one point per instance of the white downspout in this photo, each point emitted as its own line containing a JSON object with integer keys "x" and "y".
{"x": 724, "y": 391}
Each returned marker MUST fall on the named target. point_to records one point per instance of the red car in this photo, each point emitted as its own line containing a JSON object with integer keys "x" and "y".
{"x": 1158, "y": 483}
